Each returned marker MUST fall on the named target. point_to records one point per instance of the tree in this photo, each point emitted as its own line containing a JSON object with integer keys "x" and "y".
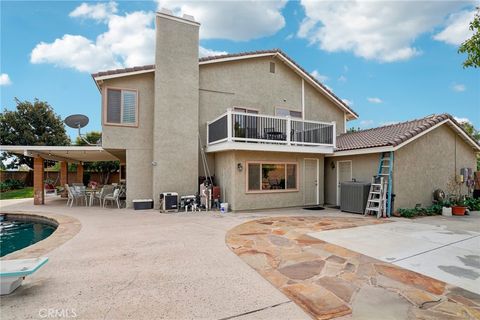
{"x": 472, "y": 46}
{"x": 474, "y": 133}
{"x": 104, "y": 168}
{"x": 353, "y": 129}
{"x": 31, "y": 124}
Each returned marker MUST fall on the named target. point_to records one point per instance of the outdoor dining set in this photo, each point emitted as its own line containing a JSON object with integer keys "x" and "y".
{"x": 113, "y": 194}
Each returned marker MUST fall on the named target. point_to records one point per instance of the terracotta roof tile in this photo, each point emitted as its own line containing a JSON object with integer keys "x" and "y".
{"x": 391, "y": 135}
{"x": 232, "y": 55}
{"x": 125, "y": 70}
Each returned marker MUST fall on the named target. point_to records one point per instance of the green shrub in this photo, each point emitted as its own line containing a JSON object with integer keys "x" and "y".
{"x": 472, "y": 204}
{"x": 4, "y": 187}
{"x": 11, "y": 184}
{"x": 433, "y": 210}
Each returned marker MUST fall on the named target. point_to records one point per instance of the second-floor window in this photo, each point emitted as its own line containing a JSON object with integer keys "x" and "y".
{"x": 283, "y": 112}
{"x": 121, "y": 107}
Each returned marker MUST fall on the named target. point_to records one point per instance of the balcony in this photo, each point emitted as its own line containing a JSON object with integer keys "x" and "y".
{"x": 245, "y": 131}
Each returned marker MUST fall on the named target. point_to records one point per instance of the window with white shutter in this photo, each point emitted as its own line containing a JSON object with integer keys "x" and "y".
{"x": 121, "y": 107}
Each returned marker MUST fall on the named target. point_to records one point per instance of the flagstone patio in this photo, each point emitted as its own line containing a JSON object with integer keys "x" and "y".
{"x": 330, "y": 281}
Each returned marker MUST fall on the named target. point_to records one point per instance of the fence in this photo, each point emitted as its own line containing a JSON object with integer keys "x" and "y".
{"x": 27, "y": 176}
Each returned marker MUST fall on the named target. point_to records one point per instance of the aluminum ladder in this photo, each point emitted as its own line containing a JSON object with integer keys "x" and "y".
{"x": 380, "y": 196}
{"x": 385, "y": 169}
{"x": 377, "y": 197}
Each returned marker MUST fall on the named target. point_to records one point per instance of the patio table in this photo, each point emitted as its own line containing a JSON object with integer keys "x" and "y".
{"x": 91, "y": 195}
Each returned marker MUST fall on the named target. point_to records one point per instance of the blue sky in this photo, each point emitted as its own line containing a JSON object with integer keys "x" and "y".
{"x": 392, "y": 61}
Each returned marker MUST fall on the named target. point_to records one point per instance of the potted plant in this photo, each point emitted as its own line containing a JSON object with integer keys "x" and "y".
{"x": 459, "y": 208}
{"x": 446, "y": 209}
{"x": 454, "y": 188}
{"x": 93, "y": 184}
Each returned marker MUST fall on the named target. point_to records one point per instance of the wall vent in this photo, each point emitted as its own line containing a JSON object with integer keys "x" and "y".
{"x": 272, "y": 67}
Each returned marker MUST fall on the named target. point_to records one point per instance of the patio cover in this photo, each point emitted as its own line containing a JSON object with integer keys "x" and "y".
{"x": 72, "y": 154}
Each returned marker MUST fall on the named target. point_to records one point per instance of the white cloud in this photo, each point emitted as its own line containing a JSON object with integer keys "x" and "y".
{"x": 233, "y": 20}
{"x": 73, "y": 51}
{"x": 204, "y": 52}
{"x": 377, "y": 30}
{"x": 289, "y": 37}
{"x": 457, "y": 28}
{"x": 129, "y": 41}
{"x": 462, "y": 120}
{"x": 458, "y": 87}
{"x": 348, "y": 102}
{"x": 342, "y": 79}
{"x": 374, "y": 100}
{"x": 320, "y": 77}
{"x": 5, "y": 80}
{"x": 100, "y": 11}
{"x": 366, "y": 123}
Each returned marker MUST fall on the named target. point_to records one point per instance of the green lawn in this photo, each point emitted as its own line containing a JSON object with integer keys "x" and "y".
{"x": 17, "y": 194}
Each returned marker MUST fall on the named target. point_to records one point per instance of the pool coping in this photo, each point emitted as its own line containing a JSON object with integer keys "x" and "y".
{"x": 66, "y": 228}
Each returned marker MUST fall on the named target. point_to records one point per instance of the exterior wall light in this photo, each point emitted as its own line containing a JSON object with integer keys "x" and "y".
{"x": 332, "y": 165}
{"x": 239, "y": 167}
{"x": 154, "y": 163}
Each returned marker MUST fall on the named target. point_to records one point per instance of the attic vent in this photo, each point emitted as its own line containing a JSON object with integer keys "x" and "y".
{"x": 272, "y": 67}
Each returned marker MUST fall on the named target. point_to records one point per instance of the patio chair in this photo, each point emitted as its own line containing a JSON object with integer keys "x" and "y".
{"x": 106, "y": 190}
{"x": 78, "y": 184}
{"x": 75, "y": 193}
{"x": 71, "y": 196}
{"x": 114, "y": 198}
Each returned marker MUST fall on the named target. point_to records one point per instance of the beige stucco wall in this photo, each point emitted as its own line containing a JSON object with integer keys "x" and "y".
{"x": 427, "y": 164}
{"x": 124, "y": 137}
{"x": 225, "y": 173}
{"x": 139, "y": 175}
{"x": 136, "y": 141}
{"x": 319, "y": 108}
{"x": 233, "y": 182}
{"x": 175, "y": 134}
{"x": 248, "y": 83}
{"x": 364, "y": 167}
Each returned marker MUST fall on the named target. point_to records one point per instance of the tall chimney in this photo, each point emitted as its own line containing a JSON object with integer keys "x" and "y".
{"x": 175, "y": 136}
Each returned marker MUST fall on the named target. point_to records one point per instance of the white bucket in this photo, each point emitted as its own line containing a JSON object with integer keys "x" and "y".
{"x": 446, "y": 212}
{"x": 224, "y": 207}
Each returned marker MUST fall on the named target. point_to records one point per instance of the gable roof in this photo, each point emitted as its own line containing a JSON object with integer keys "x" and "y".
{"x": 397, "y": 135}
{"x": 240, "y": 56}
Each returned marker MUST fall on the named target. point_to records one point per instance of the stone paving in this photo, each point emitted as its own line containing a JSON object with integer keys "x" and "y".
{"x": 329, "y": 281}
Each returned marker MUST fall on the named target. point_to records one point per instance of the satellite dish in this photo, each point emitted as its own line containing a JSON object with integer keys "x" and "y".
{"x": 76, "y": 121}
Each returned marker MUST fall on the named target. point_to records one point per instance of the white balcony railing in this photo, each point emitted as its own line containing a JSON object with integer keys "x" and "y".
{"x": 256, "y": 128}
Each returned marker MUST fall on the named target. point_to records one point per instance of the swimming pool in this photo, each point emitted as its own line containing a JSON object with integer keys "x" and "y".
{"x": 18, "y": 234}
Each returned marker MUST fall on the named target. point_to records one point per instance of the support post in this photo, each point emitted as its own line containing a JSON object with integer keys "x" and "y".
{"x": 63, "y": 176}
{"x": 229, "y": 125}
{"x": 289, "y": 129}
{"x": 80, "y": 172}
{"x": 334, "y": 123}
{"x": 38, "y": 183}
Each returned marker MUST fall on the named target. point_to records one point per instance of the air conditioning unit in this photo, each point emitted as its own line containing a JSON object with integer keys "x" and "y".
{"x": 353, "y": 196}
{"x": 168, "y": 201}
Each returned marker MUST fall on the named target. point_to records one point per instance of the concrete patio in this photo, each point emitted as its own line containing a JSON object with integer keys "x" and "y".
{"x": 143, "y": 265}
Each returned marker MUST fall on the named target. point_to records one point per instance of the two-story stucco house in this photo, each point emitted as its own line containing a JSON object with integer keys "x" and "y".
{"x": 264, "y": 123}
{"x": 270, "y": 134}
{"x": 268, "y": 128}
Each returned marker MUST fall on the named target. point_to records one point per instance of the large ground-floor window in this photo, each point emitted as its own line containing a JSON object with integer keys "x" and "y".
{"x": 272, "y": 176}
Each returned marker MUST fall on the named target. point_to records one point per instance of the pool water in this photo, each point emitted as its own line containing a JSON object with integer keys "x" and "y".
{"x": 16, "y": 235}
